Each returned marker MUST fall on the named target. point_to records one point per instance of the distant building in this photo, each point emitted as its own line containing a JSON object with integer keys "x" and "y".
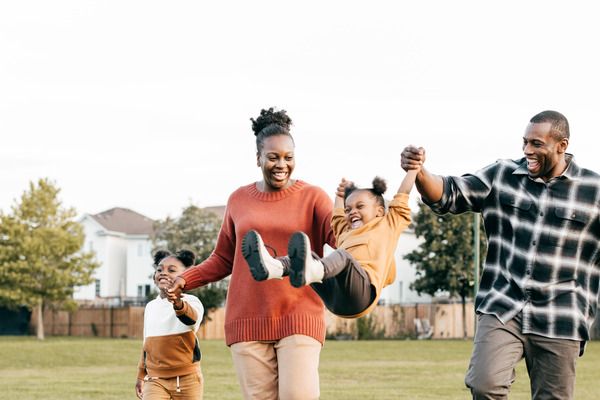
{"x": 406, "y": 273}
{"x": 121, "y": 239}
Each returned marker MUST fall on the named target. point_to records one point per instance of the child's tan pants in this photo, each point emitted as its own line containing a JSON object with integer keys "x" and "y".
{"x": 191, "y": 387}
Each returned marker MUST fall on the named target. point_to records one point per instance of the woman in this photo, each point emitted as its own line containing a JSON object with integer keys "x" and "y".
{"x": 275, "y": 331}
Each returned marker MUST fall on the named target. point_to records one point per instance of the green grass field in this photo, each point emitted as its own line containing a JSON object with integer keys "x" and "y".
{"x": 84, "y": 368}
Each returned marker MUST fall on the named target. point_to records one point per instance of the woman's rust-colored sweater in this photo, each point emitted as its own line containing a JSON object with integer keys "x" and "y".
{"x": 271, "y": 309}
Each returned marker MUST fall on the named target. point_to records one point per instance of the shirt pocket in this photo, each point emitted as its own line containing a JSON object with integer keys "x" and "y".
{"x": 517, "y": 216}
{"x": 566, "y": 227}
{"x": 514, "y": 205}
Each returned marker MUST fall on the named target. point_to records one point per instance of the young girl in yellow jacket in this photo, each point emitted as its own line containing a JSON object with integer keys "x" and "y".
{"x": 350, "y": 279}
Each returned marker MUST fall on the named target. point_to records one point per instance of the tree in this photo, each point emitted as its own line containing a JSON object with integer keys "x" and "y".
{"x": 444, "y": 261}
{"x": 40, "y": 258}
{"x": 197, "y": 230}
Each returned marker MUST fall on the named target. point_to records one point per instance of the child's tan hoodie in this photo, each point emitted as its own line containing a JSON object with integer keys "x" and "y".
{"x": 373, "y": 245}
{"x": 170, "y": 344}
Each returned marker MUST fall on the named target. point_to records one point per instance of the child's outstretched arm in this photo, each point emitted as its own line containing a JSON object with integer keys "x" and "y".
{"x": 338, "y": 220}
{"x": 409, "y": 181}
{"x": 339, "y": 193}
{"x": 191, "y": 312}
{"x": 398, "y": 210}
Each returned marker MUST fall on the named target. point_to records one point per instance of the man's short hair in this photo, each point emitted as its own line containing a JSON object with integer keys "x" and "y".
{"x": 560, "y": 125}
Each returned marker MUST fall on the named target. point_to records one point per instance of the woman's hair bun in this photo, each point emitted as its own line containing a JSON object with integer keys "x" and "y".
{"x": 160, "y": 255}
{"x": 379, "y": 185}
{"x": 270, "y": 117}
{"x": 187, "y": 257}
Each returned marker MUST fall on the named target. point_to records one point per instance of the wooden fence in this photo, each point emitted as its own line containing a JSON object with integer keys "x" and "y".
{"x": 115, "y": 322}
{"x": 397, "y": 321}
{"x": 118, "y": 322}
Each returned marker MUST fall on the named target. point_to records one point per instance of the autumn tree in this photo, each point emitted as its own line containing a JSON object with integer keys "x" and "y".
{"x": 197, "y": 230}
{"x": 40, "y": 252}
{"x": 444, "y": 260}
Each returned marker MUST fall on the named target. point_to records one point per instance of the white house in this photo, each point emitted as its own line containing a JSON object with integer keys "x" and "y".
{"x": 399, "y": 291}
{"x": 121, "y": 239}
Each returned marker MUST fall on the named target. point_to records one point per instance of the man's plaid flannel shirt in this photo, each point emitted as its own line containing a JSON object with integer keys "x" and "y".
{"x": 543, "y": 244}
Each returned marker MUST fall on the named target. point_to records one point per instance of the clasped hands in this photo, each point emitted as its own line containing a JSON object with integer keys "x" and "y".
{"x": 174, "y": 292}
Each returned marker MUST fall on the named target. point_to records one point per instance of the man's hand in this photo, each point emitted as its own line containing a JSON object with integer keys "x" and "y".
{"x": 138, "y": 388}
{"x": 412, "y": 158}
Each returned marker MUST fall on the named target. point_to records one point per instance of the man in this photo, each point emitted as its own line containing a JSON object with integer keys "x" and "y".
{"x": 540, "y": 282}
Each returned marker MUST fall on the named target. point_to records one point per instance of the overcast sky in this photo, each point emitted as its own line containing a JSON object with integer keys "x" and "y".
{"x": 146, "y": 104}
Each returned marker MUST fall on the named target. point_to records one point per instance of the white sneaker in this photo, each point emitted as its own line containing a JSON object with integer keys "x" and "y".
{"x": 304, "y": 269}
{"x": 262, "y": 265}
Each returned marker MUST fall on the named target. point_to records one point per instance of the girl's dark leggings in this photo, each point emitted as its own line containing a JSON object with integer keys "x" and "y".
{"x": 346, "y": 289}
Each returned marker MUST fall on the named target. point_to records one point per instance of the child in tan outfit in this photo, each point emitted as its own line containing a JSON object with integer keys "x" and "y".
{"x": 349, "y": 280}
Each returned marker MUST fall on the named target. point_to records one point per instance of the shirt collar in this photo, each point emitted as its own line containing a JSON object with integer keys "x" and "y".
{"x": 522, "y": 168}
{"x": 571, "y": 172}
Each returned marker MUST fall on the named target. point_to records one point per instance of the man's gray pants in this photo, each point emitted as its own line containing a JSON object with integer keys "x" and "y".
{"x": 497, "y": 350}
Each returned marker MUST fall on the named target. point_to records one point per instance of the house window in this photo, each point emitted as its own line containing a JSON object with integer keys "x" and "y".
{"x": 97, "y": 287}
{"x": 143, "y": 290}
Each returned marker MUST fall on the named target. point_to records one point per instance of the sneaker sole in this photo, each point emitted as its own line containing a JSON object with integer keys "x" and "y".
{"x": 297, "y": 255}
{"x": 252, "y": 255}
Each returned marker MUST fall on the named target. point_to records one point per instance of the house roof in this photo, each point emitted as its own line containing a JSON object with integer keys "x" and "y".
{"x": 125, "y": 221}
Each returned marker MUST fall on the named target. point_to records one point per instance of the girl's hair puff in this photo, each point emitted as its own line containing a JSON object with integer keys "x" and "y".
{"x": 378, "y": 189}
{"x": 160, "y": 255}
{"x": 186, "y": 257}
{"x": 270, "y": 123}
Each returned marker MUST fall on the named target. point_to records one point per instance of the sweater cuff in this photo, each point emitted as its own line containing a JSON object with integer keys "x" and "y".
{"x": 183, "y": 309}
{"x": 187, "y": 314}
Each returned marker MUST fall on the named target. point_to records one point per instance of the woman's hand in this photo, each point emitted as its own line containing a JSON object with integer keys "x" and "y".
{"x": 341, "y": 189}
{"x": 174, "y": 292}
{"x": 340, "y": 192}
